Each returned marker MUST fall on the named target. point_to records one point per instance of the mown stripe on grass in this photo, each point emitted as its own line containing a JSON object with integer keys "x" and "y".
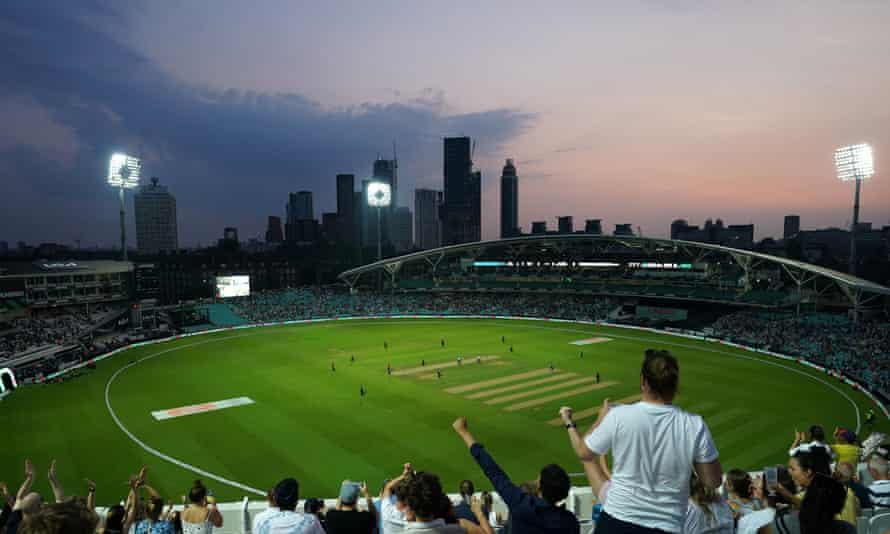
{"x": 497, "y": 391}
{"x": 537, "y": 391}
{"x": 496, "y": 381}
{"x": 595, "y": 410}
{"x": 557, "y": 396}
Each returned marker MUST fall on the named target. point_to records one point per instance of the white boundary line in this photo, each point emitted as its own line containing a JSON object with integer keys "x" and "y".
{"x": 156, "y": 452}
{"x": 256, "y": 491}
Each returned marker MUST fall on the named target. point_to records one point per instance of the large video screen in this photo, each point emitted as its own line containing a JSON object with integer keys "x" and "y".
{"x": 232, "y": 286}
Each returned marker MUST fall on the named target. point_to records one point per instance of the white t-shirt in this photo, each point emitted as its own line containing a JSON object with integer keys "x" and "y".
{"x": 275, "y": 521}
{"x": 653, "y": 447}
{"x": 697, "y": 523}
{"x": 391, "y": 519}
{"x": 751, "y": 523}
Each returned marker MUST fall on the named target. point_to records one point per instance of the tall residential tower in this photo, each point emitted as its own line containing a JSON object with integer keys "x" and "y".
{"x": 509, "y": 201}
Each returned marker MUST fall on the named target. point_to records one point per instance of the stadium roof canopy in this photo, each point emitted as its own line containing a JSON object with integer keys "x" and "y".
{"x": 856, "y": 289}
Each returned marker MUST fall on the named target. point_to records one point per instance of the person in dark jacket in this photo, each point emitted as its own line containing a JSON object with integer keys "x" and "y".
{"x": 529, "y": 513}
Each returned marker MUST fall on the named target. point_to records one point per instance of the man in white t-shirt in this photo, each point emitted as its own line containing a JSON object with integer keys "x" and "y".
{"x": 283, "y": 518}
{"x": 655, "y": 446}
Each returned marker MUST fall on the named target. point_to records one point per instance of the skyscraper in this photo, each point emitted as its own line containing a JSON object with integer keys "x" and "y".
{"x": 401, "y": 229}
{"x": 539, "y": 227}
{"x": 792, "y": 226}
{"x": 509, "y": 201}
{"x": 565, "y": 225}
{"x": 298, "y": 209}
{"x": 155, "y": 219}
{"x": 273, "y": 230}
{"x": 427, "y": 233}
{"x": 386, "y": 170}
{"x": 461, "y": 212}
{"x": 593, "y": 226}
{"x": 346, "y": 209}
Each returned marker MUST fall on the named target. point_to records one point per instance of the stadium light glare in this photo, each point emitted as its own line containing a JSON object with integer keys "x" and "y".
{"x": 854, "y": 163}
{"x": 124, "y": 171}
{"x": 379, "y": 194}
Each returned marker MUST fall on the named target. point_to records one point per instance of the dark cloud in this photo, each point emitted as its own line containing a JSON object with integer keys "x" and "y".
{"x": 229, "y": 156}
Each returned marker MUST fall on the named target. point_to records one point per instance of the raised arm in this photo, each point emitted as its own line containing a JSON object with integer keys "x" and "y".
{"x": 509, "y": 492}
{"x": 58, "y": 492}
{"x": 91, "y": 495}
{"x": 388, "y": 488}
{"x": 26, "y": 484}
{"x": 133, "y": 499}
{"x": 369, "y": 502}
{"x": 597, "y": 475}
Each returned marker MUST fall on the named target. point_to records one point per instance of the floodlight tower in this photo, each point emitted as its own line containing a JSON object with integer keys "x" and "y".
{"x": 379, "y": 196}
{"x": 854, "y": 162}
{"x": 123, "y": 173}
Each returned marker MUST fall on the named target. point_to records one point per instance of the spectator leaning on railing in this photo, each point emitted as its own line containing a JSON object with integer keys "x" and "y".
{"x": 655, "y": 447}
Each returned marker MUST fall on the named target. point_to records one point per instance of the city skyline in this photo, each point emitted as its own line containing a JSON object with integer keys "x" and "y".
{"x": 705, "y": 111}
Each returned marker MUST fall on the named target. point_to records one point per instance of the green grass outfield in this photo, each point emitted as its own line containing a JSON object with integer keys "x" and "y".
{"x": 309, "y": 422}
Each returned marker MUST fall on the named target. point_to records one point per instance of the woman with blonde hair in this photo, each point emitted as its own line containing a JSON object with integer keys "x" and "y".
{"x": 707, "y": 511}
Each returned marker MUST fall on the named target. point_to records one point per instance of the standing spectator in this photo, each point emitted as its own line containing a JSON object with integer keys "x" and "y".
{"x": 817, "y": 439}
{"x": 393, "y": 510}
{"x": 316, "y": 507}
{"x": 463, "y": 510}
{"x": 706, "y": 511}
{"x": 655, "y": 447}
{"x": 845, "y": 448}
{"x": 26, "y": 503}
{"x": 739, "y": 488}
{"x": 69, "y": 517}
{"x": 529, "y": 513}
{"x": 878, "y": 464}
{"x": 347, "y": 518}
{"x": 283, "y": 518}
{"x": 427, "y": 502}
{"x": 202, "y": 515}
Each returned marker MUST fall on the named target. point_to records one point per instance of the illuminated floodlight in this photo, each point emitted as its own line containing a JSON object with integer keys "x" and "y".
{"x": 379, "y": 194}
{"x": 124, "y": 171}
{"x": 854, "y": 162}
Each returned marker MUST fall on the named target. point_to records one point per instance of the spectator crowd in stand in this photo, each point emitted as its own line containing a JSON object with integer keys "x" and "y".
{"x": 666, "y": 476}
{"x": 833, "y": 341}
{"x": 55, "y": 326}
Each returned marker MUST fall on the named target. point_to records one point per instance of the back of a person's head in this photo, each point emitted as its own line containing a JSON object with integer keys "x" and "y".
{"x": 424, "y": 495}
{"x": 817, "y": 433}
{"x": 880, "y": 465}
{"x": 824, "y": 499}
{"x": 400, "y": 490}
{"x": 153, "y": 507}
{"x": 198, "y": 492}
{"x": 554, "y": 484}
{"x": 702, "y": 495}
{"x": 114, "y": 519}
{"x": 739, "y": 482}
{"x": 287, "y": 493}
{"x": 31, "y": 503}
{"x": 816, "y": 459}
{"x": 661, "y": 372}
{"x": 467, "y": 489}
{"x": 68, "y": 517}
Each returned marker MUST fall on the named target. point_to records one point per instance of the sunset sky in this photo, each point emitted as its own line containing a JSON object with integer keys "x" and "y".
{"x": 632, "y": 112}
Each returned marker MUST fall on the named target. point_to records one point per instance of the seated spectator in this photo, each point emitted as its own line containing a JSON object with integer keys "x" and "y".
{"x": 845, "y": 448}
{"x": 707, "y": 511}
{"x": 824, "y": 500}
{"x": 878, "y": 464}
{"x": 462, "y": 510}
{"x": 69, "y": 517}
{"x": 803, "y": 467}
{"x": 772, "y": 499}
{"x": 817, "y": 439}
{"x": 202, "y": 515}
{"x": 282, "y": 518}
{"x": 316, "y": 507}
{"x": 659, "y": 446}
{"x": 537, "y": 512}
{"x": 347, "y": 518}
{"x": 114, "y": 520}
{"x": 739, "y": 488}
{"x": 394, "y": 512}
{"x": 427, "y": 502}
{"x": 845, "y": 474}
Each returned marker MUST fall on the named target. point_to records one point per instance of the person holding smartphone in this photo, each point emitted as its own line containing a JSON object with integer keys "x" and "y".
{"x": 346, "y": 518}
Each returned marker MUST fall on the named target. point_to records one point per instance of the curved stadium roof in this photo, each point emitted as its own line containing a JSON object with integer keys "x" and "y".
{"x": 801, "y": 272}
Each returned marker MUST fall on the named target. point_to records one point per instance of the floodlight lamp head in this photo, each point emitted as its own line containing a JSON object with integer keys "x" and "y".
{"x": 124, "y": 171}
{"x": 854, "y": 162}
{"x": 379, "y": 194}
